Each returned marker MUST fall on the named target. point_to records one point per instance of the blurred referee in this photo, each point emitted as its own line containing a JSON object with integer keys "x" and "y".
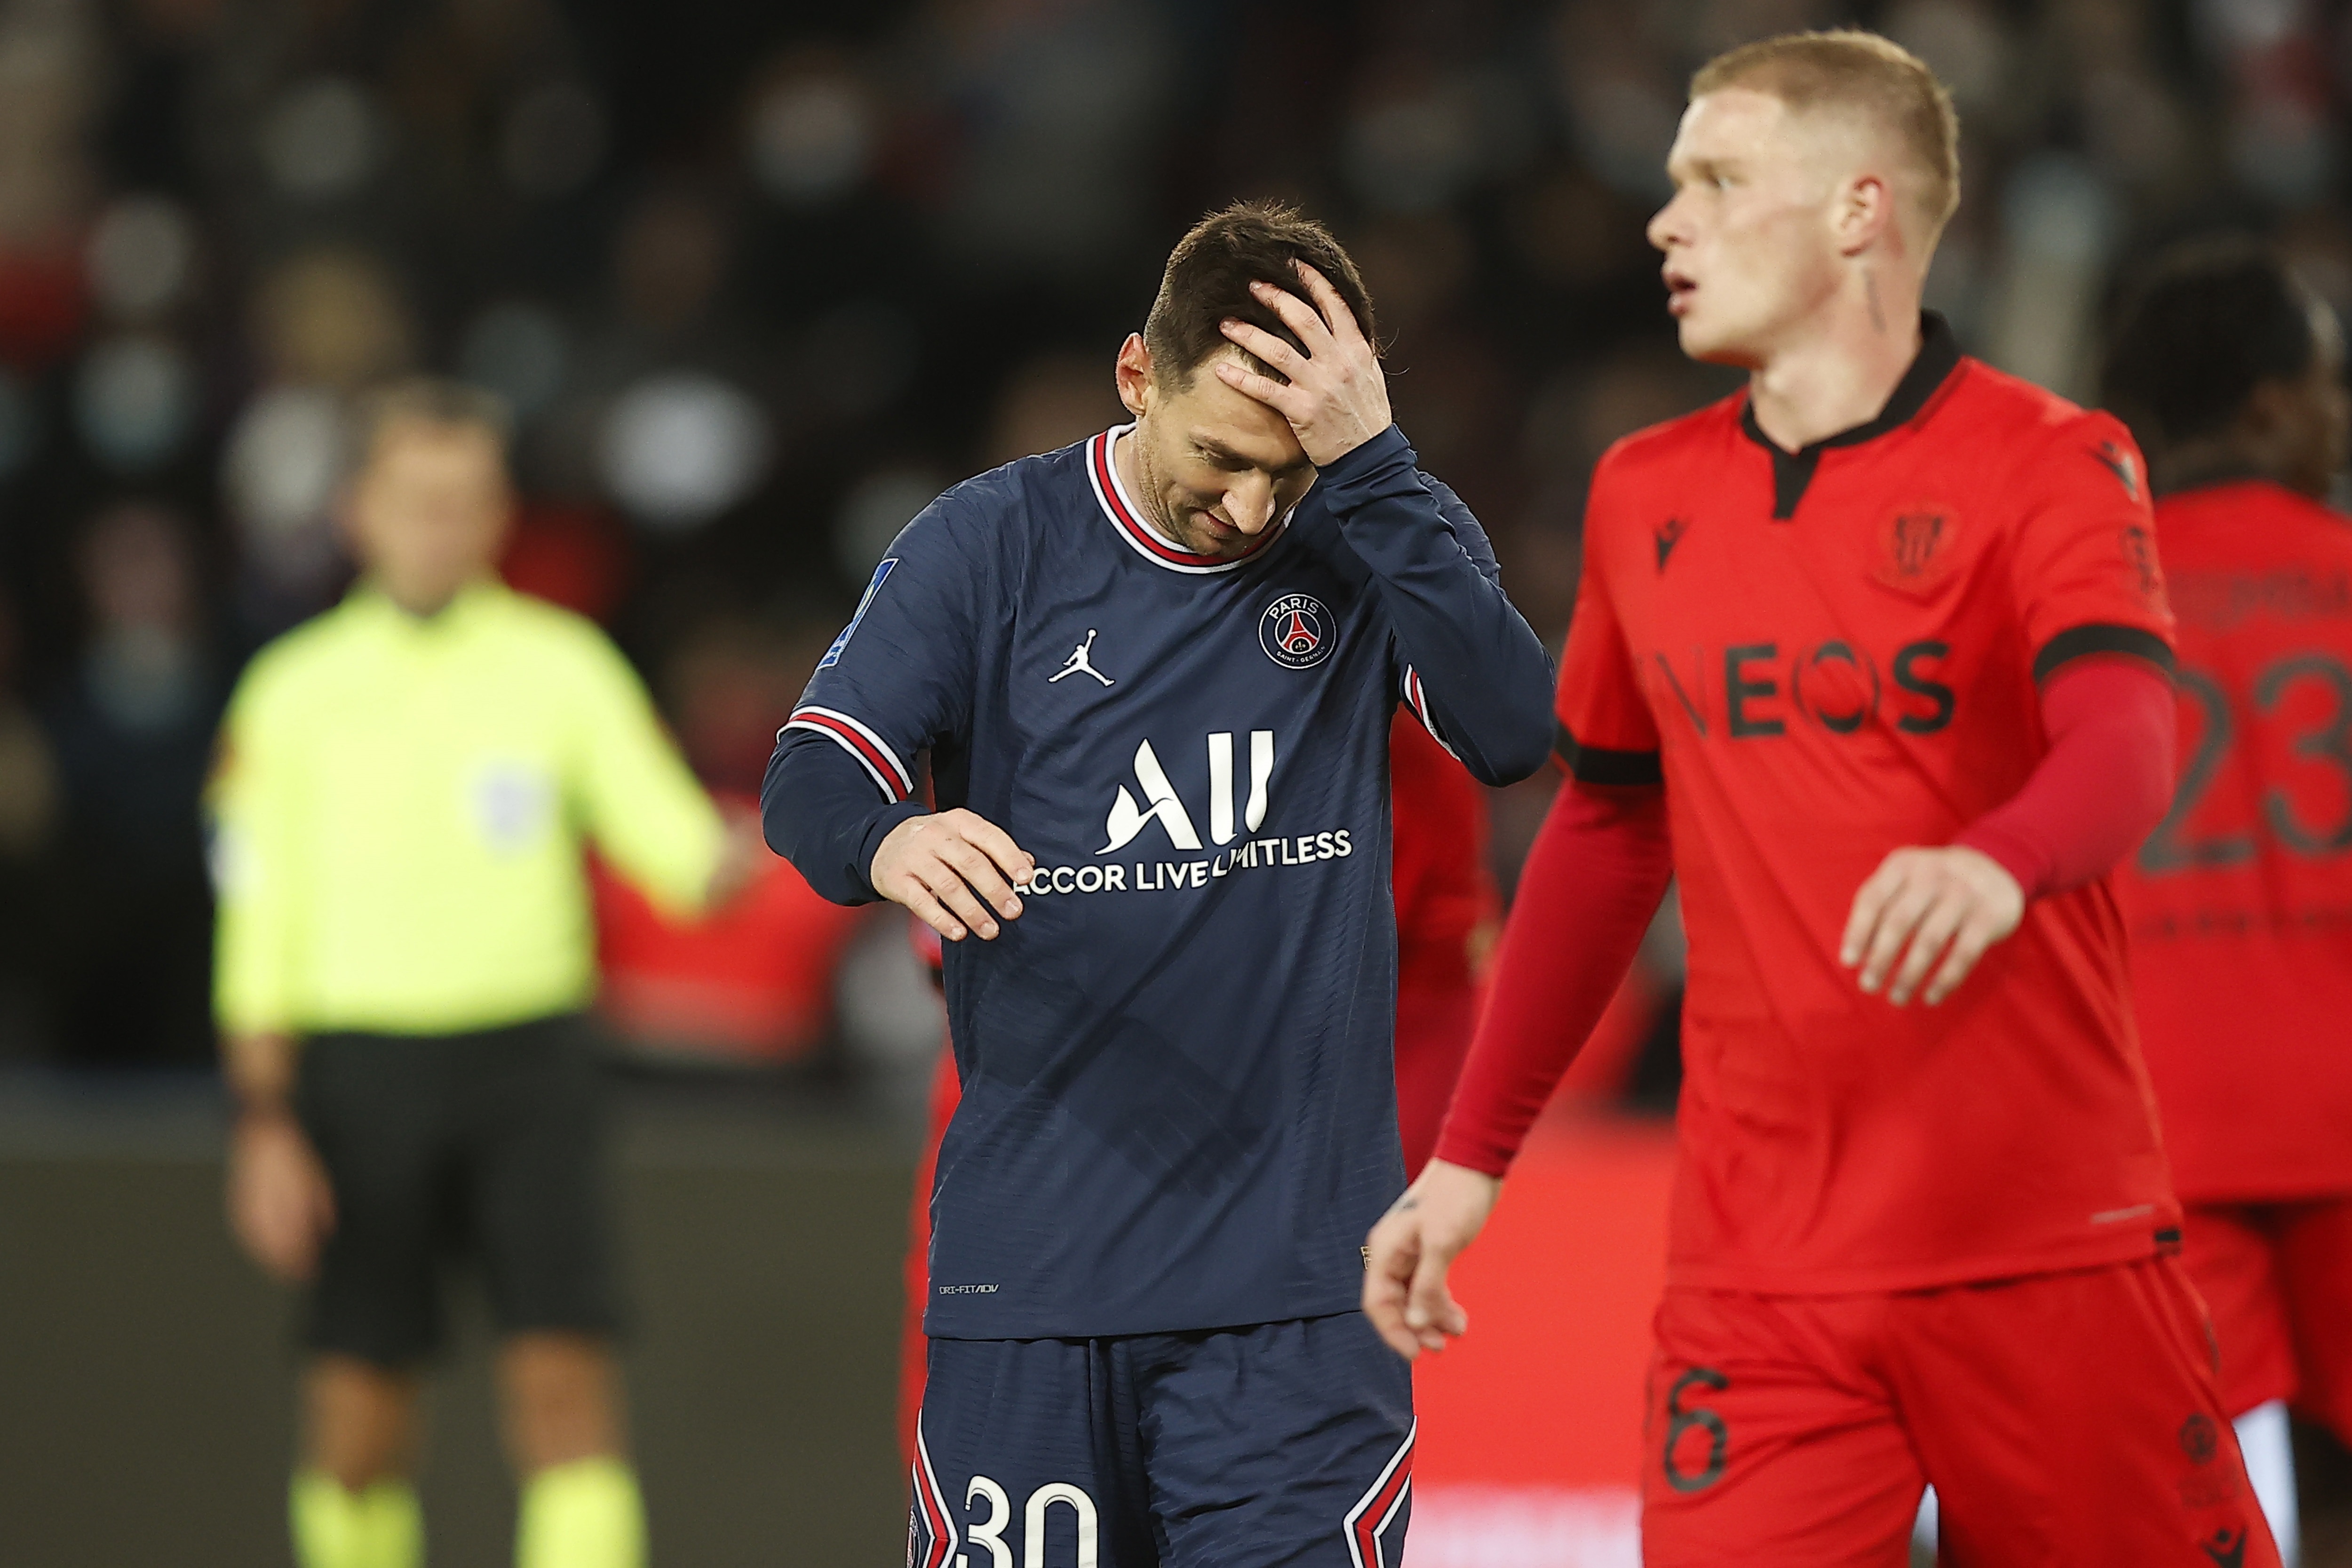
{"x": 405, "y": 950}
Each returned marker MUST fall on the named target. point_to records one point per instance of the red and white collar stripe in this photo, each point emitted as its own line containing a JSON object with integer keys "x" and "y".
{"x": 1140, "y": 536}
{"x": 873, "y": 754}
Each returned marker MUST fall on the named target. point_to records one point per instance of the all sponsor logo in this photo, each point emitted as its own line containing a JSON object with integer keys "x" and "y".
{"x": 1238, "y": 803}
{"x": 1296, "y": 631}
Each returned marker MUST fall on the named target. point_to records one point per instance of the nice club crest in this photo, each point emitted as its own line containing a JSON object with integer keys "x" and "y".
{"x": 1917, "y": 549}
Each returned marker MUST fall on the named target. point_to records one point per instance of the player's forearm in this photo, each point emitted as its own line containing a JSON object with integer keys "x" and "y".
{"x": 1486, "y": 678}
{"x": 821, "y": 812}
{"x": 259, "y": 1066}
{"x": 652, "y": 820}
{"x": 1591, "y": 886}
{"x": 2100, "y": 789}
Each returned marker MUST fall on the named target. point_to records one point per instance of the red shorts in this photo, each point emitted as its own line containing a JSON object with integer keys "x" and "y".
{"x": 2065, "y": 1419}
{"x": 2278, "y": 1280}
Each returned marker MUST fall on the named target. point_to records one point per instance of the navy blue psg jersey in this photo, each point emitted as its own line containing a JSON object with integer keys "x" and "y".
{"x": 1177, "y": 1105}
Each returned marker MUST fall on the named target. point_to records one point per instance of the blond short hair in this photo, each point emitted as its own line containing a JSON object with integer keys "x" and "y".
{"x": 1854, "y": 69}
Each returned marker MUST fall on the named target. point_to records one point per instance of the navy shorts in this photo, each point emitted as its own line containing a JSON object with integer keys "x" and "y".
{"x": 1259, "y": 1447}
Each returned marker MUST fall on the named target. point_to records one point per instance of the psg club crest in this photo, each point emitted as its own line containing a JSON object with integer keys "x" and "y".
{"x": 1296, "y": 631}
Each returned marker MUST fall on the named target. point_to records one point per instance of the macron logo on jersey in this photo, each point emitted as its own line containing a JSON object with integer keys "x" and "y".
{"x": 881, "y": 575}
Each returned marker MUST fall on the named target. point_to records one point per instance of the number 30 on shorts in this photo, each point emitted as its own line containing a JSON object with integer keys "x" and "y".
{"x": 1685, "y": 1471}
{"x": 988, "y": 1534}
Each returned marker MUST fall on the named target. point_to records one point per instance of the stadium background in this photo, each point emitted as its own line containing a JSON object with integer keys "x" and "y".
{"x": 759, "y": 281}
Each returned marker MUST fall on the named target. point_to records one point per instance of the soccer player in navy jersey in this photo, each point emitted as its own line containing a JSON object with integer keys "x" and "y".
{"x": 1154, "y": 673}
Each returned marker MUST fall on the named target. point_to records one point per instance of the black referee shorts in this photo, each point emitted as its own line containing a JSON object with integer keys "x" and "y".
{"x": 485, "y": 1148}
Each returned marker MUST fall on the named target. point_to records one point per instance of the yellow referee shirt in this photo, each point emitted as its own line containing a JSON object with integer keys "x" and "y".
{"x": 399, "y": 812}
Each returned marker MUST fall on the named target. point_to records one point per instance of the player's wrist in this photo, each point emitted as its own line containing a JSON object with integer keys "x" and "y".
{"x": 266, "y": 1117}
{"x": 875, "y": 842}
{"x": 1373, "y": 449}
{"x": 1459, "y": 1149}
{"x": 1464, "y": 1178}
{"x": 259, "y": 1069}
{"x": 2010, "y": 858}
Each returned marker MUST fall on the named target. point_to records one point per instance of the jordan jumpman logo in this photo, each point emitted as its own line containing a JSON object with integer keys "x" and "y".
{"x": 1079, "y": 662}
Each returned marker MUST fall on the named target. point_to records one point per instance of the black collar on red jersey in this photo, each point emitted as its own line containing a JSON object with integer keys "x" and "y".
{"x": 1792, "y": 472}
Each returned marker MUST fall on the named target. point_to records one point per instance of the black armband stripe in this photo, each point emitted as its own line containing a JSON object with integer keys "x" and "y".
{"x": 1595, "y": 764}
{"x": 2076, "y": 641}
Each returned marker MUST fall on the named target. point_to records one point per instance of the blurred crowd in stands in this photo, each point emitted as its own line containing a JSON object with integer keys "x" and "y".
{"x": 759, "y": 281}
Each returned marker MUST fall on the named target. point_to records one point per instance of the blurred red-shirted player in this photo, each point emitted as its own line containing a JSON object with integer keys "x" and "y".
{"x": 1888, "y": 629}
{"x": 2240, "y": 904}
{"x": 1446, "y": 907}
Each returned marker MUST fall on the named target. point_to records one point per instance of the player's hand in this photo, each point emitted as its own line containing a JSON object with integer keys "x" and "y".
{"x": 282, "y": 1206}
{"x": 955, "y": 870}
{"x": 1416, "y": 1242}
{"x": 1337, "y": 399}
{"x": 743, "y": 856}
{"x": 1921, "y": 905}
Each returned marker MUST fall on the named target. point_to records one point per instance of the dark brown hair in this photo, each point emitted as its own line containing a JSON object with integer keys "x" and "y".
{"x": 1209, "y": 277}
{"x": 2211, "y": 320}
{"x": 426, "y": 400}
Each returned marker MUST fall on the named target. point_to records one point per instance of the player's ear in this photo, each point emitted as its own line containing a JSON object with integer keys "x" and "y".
{"x": 1134, "y": 374}
{"x": 1864, "y": 214}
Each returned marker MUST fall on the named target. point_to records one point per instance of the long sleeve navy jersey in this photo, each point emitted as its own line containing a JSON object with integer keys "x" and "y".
{"x": 1178, "y": 1106}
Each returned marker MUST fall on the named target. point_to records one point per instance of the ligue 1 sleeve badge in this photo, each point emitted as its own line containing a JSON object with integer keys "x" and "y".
{"x": 1296, "y": 631}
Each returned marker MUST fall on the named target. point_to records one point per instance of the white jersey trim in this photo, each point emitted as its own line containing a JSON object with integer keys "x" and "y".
{"x": 1129, "y": 519}
{"x": 873, "y": 754}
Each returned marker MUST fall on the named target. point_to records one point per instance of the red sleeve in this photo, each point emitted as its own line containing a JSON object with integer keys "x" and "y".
{"x": 2102, "y": 786}
{"x": 1447, "y": 914}
{"x": 2084, "y": 574}
{"x": 1591, "y": 883}
{"x": 1446, "y": 905}
{"x": 1607, "y": 732}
